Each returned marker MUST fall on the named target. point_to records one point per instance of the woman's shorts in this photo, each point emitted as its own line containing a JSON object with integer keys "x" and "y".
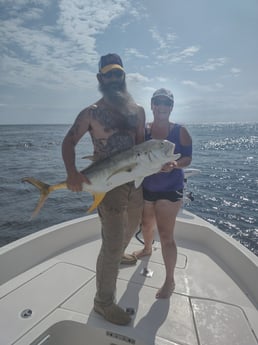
{"x": 155, "y": 196}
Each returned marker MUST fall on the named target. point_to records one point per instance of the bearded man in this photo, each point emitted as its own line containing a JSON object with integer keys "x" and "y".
{"x": 115, "y": 123}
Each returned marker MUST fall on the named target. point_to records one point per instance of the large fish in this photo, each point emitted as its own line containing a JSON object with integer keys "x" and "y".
{"x": 133, "y": 164}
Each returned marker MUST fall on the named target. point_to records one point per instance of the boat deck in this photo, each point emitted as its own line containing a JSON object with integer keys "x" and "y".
{"x": 209, "y": 306}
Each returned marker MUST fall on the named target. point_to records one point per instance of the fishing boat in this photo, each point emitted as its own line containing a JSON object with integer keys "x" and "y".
{"x": 48, "y": 286}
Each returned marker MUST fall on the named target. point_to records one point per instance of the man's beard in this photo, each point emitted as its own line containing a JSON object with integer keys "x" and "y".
{"x": 116, "y": 93}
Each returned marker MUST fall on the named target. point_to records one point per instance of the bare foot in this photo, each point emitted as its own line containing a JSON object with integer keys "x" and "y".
{"x": 143, "y": 252}
{"x": 166, "y": 290}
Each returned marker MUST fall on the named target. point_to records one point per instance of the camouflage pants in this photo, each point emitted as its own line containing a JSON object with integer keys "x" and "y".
{"x": 120, "y": 214}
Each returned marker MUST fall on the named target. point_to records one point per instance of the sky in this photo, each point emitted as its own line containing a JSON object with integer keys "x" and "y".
{"x": 204, "y": 51}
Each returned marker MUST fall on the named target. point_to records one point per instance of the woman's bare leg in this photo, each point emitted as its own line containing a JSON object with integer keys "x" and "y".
{"x": 166, "y": 212}
{"x": 148, "y": 224}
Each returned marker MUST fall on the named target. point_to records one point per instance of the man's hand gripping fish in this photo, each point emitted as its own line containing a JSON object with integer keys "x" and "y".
{"x": 133, "y": 164}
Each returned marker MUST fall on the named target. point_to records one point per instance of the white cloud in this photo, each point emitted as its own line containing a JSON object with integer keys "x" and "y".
{"x": 134, "y": 53}
{"x": 201, "y": 87}
{"x": 190, "y": 51}
{"x": 164, "y": 40}
{"x": 80, "y": 21}
{"x": 65, "y": 46}
{"x": 179, "y": 56}
{"x": 211, "y": 64}
{"x": 137, "y": 78}
{"x": 161, "y": 79}
{"x": 235, "y": 71}
{"x": 49, "y": 52}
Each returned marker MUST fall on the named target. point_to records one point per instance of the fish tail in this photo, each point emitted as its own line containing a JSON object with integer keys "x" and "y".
{"x": 44, "y": 189}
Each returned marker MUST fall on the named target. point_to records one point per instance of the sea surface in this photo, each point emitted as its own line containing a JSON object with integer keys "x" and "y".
{"x": 225, "y": 192}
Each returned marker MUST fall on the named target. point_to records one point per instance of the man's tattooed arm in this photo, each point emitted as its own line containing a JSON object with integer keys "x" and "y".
{"x": 78, "y": 129}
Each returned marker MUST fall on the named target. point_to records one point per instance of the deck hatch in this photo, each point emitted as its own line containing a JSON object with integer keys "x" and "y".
{"x": 221, "y": 323}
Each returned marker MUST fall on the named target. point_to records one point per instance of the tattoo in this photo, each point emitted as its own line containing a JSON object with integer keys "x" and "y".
{"x": 117, "y": 142}
{"x": 120, "y": 129}
{"x": 74, "y": 130}
{"x": 114, "y": 120}
{"x": 76, "y": 127}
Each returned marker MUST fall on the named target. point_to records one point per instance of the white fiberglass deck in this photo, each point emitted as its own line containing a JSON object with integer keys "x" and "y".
{"x": 210, "y": 304}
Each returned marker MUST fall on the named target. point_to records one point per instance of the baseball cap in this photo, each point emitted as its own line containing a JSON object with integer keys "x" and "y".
{"x": 109, "y": 62}
{"x": 164, "y": 93}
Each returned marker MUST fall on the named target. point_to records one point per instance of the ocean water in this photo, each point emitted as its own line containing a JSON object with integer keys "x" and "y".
{"x": 225, "y": 193}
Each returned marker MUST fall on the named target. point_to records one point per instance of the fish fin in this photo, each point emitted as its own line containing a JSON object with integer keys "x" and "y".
{"x": 92, "y": 158}
{"x": 126, "y": 169}
{"x": 98, "y": 197}
{"x": 44, "y": 189}
{"x": 176, "y": 156}
{"x": 138, "y": 182}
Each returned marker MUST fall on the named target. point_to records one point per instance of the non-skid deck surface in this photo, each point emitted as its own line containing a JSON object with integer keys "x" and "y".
{"x": 204, "y": 309}
{"x": 195, "y": 314}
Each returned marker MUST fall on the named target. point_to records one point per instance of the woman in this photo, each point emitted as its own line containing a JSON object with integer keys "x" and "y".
{"x": 163, "y": 192}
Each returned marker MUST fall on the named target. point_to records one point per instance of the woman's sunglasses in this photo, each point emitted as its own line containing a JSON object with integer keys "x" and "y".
{"x": 117, "y": 73}
{"x": 166, "y": 102}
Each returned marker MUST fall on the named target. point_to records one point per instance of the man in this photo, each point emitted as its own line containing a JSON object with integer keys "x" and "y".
{"x": 115, "y": 123}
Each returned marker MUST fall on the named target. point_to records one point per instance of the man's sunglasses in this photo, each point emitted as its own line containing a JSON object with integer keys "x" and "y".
{"x": 166, "y": 102}
{"x": 117, "y": 73}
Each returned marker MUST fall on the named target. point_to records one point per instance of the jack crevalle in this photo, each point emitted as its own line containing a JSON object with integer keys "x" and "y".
{"x": 133, "y": 164}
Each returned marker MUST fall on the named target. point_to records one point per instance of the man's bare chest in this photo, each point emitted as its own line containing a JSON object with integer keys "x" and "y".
{"x": 112, "y": 121}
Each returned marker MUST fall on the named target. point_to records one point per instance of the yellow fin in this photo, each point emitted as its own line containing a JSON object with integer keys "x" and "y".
{"x": 98, "y": 197}
{"x": 44, "y": 189}
{"x": 61, "y": 185}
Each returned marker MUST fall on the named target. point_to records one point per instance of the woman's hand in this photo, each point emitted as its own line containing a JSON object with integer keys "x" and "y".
{"x": 167, "y": 167}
